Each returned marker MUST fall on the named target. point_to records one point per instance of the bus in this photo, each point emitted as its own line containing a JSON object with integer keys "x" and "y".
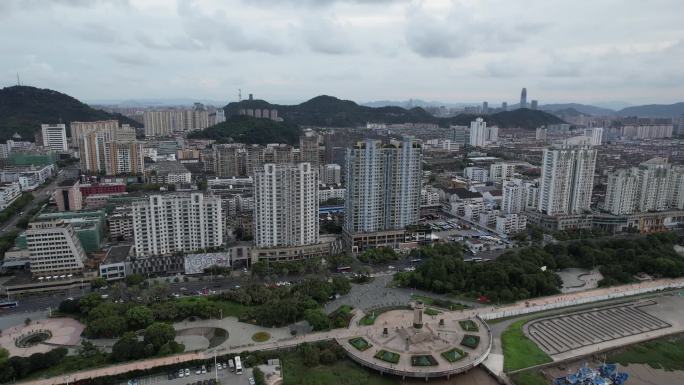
{"x": 238, "y": 365}
{"x": 9, "y": 304}
{"x": 343, "y": 269}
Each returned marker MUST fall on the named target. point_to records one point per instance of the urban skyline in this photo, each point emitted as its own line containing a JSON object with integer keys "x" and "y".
{"x": 487, "y": 212}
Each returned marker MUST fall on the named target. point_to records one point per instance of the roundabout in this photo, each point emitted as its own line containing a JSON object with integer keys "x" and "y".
{"x": 411, "y": 343}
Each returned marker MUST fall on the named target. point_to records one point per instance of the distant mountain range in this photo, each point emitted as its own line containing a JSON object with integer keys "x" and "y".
{"x": 582, "y": 108}
{"x": 153, "y": 102}
{"x": 23, "y": 109}
{"x": 647, "y": 111}
{"x": 333, "y": 112}
{"x": 415, "y": 103}
{"x": 675, "y": 110}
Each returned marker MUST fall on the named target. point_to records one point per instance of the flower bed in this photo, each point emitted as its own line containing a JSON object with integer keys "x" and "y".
{"x": 469, "y": 325}
{"x": 454, "y": 355}
{"x": 470, "y": 341}
{"x": 431, "y": 311}
{"x": 387, "y": 356}
{"x": 360, "y": 343}
{"x": 423, "y": 360}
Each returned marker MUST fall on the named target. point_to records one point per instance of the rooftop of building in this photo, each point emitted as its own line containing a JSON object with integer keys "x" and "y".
{"x": 68, "y": 183}
{"x": 167, "y": 167}
{"x": 118, "y": 253}
{"x": 464, "y": 193}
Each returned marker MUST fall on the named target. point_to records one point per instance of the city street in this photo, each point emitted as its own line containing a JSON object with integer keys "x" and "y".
{"x": 39, "y": 194}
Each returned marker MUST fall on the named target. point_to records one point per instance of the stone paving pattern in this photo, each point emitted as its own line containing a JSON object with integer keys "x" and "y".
{"x": 65, "y": 332}
{"x": 566, "y": 332}
{"x": 433, "y": 339}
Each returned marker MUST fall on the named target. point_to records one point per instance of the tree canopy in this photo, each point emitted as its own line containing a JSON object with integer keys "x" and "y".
{"x": 518, "y": 274}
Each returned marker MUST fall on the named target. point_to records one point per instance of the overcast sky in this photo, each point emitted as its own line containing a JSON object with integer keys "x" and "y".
{"x": 292, "y": 50}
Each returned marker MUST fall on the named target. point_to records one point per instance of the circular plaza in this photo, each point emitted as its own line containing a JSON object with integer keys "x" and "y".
{"x": 420, "y": 343}
{"x": 41, "y": 336}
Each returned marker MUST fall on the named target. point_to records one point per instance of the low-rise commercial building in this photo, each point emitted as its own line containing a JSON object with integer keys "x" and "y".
{"x": 9, "y": 192}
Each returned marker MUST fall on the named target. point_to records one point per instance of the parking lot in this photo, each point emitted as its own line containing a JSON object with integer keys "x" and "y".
{"x": 225, "y": 377}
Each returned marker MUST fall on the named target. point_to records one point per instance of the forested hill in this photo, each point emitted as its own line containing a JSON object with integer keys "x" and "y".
{"x": 23, "y": 109}
{"x": 330, "y": 111}
{"x": 245, "y": 129}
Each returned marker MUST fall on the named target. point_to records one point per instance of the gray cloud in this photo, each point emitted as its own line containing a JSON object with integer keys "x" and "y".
{"x": 132, "y": 59}
{"x": 324, "y": 35}
{"x": 220, "y": 28}
{"x": 457, "y": 34}
{"x": 179, "y": 43}
{"x": 290, "y": 50}
{"x": 319, "y": 3}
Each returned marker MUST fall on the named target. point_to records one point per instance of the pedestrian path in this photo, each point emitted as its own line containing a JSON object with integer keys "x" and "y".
{"x": 518, "y": 308}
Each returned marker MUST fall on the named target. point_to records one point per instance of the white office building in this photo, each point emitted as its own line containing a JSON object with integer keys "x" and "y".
{"x": 167, "y": 224}
{"x": 54, "y": 137}
{"x": 476, "y": 174}
{"x": 621, "y": 193}
{"x": 513, "y": 197}
{"x": 54, "y": 249}
{"x": 481, "y": 135}
{"x": 383, "y": 185}
{"x": 501, "y": 171}
{"x": 286, "y": 205}
{"x": 567, "y": 180}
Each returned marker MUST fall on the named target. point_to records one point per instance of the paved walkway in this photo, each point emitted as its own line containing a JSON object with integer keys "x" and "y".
{"x": 518, "y": 308}
{"x": 64, "y": 331}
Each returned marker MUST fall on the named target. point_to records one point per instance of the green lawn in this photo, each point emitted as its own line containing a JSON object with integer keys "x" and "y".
{"x": 665, "y": 354}
{"x": 372, "y": 315}
{"x": 342, "y": 372}
{"x": 432, "y": 312}
{"x": 519, "y": 351}
{"x": 233, "y": 309}
{"x": 230, "y": 308}
{"x": 529, "y": 378}
{"x": 368, "y": 319}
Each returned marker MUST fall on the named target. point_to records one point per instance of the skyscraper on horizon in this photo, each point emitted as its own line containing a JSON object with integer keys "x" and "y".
{"x": 523, "y": 98}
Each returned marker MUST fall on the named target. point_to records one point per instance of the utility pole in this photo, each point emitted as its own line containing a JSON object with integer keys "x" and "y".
{"x": 215, "y": 368}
